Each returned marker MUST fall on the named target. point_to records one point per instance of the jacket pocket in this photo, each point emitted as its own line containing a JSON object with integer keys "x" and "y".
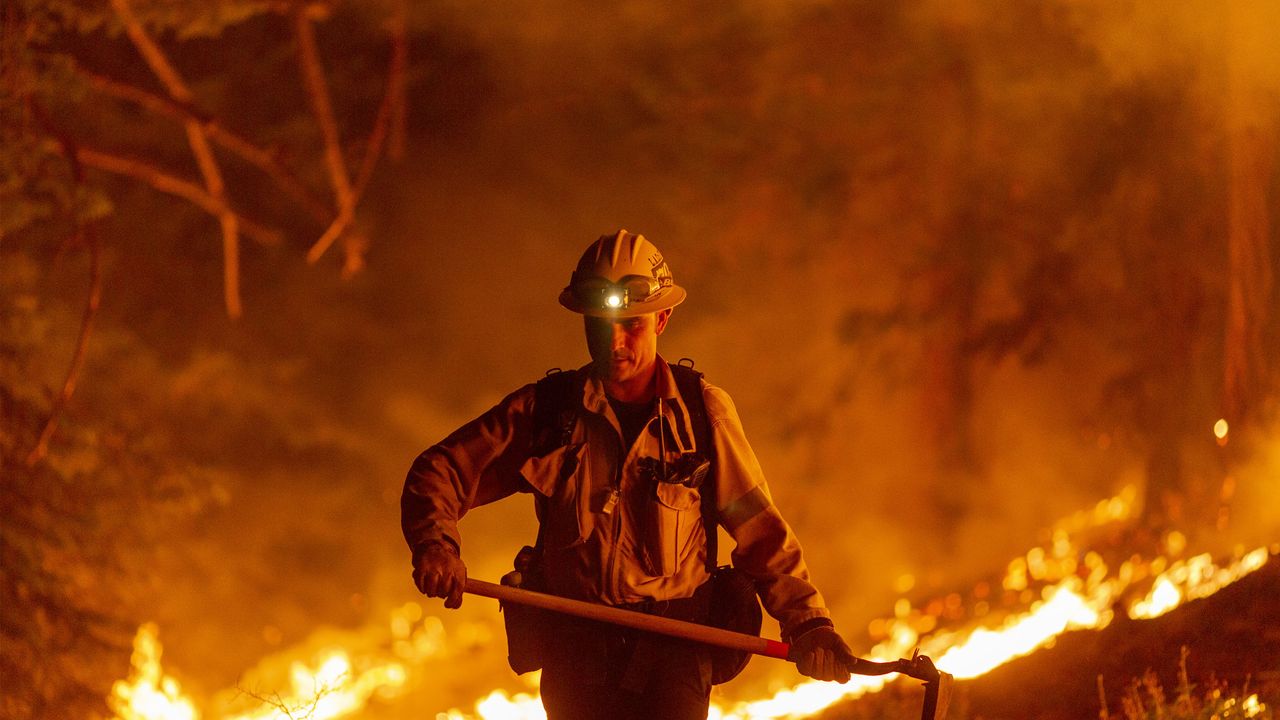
{"x": 674, "y": 518}
{"x": 558, "y": 478}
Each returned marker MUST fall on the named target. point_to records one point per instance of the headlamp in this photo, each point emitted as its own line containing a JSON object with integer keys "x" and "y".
{"x": 604, "y": 294}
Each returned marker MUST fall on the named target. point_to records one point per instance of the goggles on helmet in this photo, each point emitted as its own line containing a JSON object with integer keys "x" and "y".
{"x": 605, "y": 294}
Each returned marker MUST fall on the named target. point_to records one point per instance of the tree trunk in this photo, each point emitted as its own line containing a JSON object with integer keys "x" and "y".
{"x": 1251, "y": 149}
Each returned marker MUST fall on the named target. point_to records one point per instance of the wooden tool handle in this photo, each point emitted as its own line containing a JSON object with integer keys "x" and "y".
{"x": 632, "y": 619}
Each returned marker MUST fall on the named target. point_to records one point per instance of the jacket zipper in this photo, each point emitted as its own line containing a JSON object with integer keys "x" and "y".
{"x": 615, "y": 585}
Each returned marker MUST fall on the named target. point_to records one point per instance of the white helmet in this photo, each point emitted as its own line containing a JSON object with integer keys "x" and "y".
{"x": 621, "y": 275}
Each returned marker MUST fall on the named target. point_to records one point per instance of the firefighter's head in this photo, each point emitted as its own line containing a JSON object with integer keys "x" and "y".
{"x": 624, "y": 289}
{"x": 621, "y": 275}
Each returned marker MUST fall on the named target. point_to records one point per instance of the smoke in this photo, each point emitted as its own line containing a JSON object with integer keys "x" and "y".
{"x": 809, "y": 171}
{"x": 908, "y": 235}
{"x": 769, "y": 220}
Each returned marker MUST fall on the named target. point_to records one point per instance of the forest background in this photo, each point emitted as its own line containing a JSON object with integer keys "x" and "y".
{"x": 966, "y": 268}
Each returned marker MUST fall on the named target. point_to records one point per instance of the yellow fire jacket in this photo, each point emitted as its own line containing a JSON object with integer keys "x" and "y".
{"x": 648, "y": 544}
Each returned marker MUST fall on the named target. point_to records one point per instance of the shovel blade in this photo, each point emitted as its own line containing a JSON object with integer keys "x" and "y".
{"x": 937, "y": 697}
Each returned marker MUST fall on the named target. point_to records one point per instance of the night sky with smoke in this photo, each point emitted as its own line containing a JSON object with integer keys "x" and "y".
{"x": 964, "y": 268}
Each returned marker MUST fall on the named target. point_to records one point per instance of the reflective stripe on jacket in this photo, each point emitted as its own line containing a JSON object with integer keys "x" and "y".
{"x": 651, "y": 544}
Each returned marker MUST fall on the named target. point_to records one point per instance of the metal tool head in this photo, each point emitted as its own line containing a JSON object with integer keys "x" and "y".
{"x": 942, "y": 700}
{"x": 937, "y": 685}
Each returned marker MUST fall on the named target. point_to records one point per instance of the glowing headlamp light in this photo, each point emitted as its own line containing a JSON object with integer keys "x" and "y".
{"x": 601, "y": 293}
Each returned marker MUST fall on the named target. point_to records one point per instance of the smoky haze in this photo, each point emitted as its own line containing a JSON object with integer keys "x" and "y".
{"x": 963, "y": 269}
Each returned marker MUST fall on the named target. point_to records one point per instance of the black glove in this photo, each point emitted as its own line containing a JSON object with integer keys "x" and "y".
{"x": 822, "y": 654}
{"x": 438, "y": 571}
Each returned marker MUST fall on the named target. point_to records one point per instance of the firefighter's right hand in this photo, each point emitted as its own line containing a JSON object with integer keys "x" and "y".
{"x": 823, "y": 655}
{"x": 438, "y": 571}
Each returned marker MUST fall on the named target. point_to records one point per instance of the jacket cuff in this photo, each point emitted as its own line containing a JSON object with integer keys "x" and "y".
{"x": 440, "y": 539}
{"x": 801, "y": 628}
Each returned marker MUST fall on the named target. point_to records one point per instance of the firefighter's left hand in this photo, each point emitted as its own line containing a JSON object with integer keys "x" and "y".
{"x": 823, "y": 655}
{"x": 438, "y": 571}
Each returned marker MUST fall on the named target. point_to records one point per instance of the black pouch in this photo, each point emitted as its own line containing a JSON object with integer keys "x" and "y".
{"x": 735, "y": 607}
{"x": 526, "y": 626}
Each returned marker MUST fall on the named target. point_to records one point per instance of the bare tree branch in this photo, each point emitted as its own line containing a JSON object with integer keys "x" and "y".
{"x": 390, "y": 120}
{"x": 302, "y": 711}
{"x": 199, "y": 143}
{"x": 373, "y": 150}
{"x": 151, "y": 52}
{"x": 226, "y": 219}
{"x": 322, "y": 109}
{"x": 390, "y": 117}
{"x": 231, "y": 263}
{"x": 84, "y": 234}
{"x": 354, "y": 246}
{"x": 263, "y": 159}
{"x": 335, "y": 229}
{"x": 172, "y": 185}
{"x": 90, "y": 237}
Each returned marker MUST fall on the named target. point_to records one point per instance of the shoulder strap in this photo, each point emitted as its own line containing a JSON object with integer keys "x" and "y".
{"x": 554, "y": 414}
{"x": 554, "y": 410}
{"x": 689, "y": 383}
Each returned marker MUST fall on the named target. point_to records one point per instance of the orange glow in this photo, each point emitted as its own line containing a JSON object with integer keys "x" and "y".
{"x": 1062, "y": 586}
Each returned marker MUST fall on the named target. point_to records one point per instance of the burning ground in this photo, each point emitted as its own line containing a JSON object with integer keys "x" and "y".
{"x": 1058, "y": 626}
{"x": 1231, "y": 636}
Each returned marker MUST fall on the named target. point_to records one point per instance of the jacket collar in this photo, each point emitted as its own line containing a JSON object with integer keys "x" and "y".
{"x": 675, "y": 412}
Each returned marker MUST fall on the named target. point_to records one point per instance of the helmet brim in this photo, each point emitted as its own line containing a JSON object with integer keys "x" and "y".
{"x": 668, "y": 297}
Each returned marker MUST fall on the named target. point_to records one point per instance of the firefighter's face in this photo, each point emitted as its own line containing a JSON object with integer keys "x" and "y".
{"x": 624, "y": 348}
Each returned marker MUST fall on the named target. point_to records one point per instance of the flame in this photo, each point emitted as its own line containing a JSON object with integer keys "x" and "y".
{"x": 1071, "y": 604}
{"x": 983, "y": 650}
{"x": 149, "y": 694}
{"x": 964, "y": 655}
{"x": 335, "y": 683}
{"x": 1192, "y": 579}
{"x": 1058, "y": 588}
{"x": 330, "y": 689}
{"x": 498, "y": 705}
{"x": 1066, "y": 606}
{"x": 339, "y": 682}
{"x": 1164, "y": 596}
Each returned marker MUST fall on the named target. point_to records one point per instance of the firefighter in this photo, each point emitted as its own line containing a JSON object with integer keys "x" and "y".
{"x": 620, "y": 523}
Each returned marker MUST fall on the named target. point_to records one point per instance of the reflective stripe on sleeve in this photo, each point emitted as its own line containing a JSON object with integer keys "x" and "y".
{"x": 744, "y": 508}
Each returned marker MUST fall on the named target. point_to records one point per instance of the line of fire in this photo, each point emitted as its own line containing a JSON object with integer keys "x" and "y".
{"x": 949, "y": 330}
